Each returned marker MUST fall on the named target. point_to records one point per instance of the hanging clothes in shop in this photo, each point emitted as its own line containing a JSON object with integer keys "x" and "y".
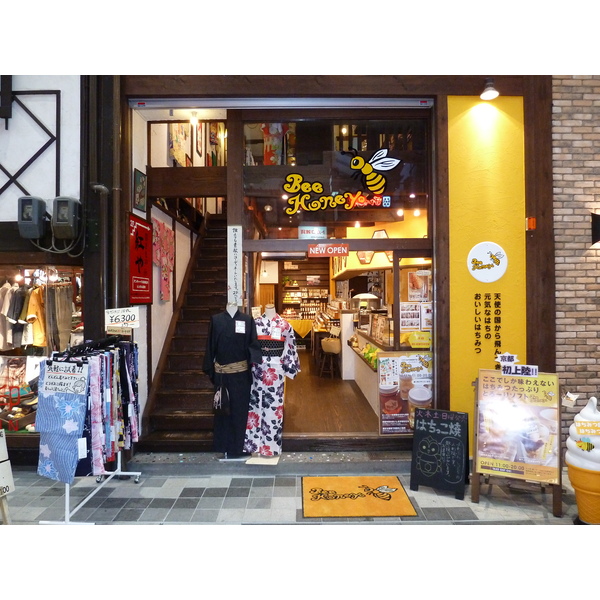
{"x": 231, "y": 347}
{"x": 89, "y": 409}
{"x": 280, "y": 359}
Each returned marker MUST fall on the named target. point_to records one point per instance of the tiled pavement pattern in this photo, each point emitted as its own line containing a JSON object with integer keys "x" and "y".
{"x": 247, "y": 495}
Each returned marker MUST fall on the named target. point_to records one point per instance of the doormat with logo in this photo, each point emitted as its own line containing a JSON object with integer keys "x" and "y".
{"x": 363, "y": 496}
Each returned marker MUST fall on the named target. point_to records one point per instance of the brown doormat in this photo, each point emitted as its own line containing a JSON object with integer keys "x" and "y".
{"x": 363, "y": 496}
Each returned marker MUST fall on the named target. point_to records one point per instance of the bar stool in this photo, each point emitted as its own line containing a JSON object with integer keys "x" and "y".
{"x": 330, "y": 350}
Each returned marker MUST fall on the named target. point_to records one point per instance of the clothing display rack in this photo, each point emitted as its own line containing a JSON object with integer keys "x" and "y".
{"x": 107, "y": 390}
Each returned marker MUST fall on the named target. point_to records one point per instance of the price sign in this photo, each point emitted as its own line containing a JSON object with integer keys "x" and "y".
{"x": 122, "y": 317}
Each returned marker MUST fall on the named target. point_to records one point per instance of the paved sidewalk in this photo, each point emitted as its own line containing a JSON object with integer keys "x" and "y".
{"x": 195, "y": 489}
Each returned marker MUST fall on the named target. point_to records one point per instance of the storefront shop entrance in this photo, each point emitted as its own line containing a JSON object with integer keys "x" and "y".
{"x": 335, "y": 219}
{"x": 337, "y": 212}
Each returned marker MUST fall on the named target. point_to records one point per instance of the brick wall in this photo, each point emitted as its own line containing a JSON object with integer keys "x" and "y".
{"x": 576, "y": 166}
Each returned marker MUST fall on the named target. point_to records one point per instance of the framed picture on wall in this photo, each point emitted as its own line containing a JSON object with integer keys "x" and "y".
{"x": 140, "y": 190}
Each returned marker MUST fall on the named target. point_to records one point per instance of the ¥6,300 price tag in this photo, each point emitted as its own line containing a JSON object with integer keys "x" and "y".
{"x": 122, "y": 317}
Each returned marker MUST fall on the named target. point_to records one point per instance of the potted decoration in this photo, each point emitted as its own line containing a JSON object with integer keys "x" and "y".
{"x": 583, "y": 462}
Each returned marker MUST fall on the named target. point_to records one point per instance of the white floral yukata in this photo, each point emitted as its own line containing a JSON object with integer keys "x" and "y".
{"x": 279, "y": 360}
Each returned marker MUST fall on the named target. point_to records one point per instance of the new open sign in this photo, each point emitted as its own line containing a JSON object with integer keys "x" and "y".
{"x": 327, "y": 250}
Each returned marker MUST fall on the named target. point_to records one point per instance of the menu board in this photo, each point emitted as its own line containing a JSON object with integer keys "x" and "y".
{"x": 518, "y": 425}
{"x": 405, "y": 383}
{"x": 440, "y": 455}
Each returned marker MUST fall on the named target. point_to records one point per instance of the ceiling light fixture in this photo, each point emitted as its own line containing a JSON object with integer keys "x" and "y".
{"x": 194, "y": 119}
{"x": 489, "y": 91}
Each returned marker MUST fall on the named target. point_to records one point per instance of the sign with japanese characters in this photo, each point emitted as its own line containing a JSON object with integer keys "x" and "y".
{"x": 508, "y": 363}
{"x": 140, "y": 260}
{"x": 126, "y": 317}
{"x": 235, "y": 291}
{"x": 517, "y": 427}
{"x": 440, "y": 455}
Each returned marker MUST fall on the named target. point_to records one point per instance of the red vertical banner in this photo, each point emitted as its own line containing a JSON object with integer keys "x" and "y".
{"x": 140, "y": 261}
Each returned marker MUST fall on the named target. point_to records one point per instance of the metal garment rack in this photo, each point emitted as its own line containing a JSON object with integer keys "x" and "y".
{"x": 103, "y": 479}
{"x": 69, "y": 513}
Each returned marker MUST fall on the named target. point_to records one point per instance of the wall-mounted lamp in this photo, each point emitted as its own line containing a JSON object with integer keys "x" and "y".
{"x": 489, "y": 91}
{"x": 268, "y": 208}
{"x": 595, "y": 228}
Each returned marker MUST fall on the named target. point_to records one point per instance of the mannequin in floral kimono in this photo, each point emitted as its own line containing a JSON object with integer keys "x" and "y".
{"x": 279, "y": 360}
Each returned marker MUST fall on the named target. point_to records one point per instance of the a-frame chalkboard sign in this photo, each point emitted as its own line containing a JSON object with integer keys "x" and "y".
{"x": 440, "y": 456}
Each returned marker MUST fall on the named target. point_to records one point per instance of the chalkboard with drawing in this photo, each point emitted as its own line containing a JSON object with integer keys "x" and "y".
{"x": 440, "y": 451}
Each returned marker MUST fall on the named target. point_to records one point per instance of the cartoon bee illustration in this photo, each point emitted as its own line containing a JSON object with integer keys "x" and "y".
{"x": 585, "y": 444}
{"x": 383, "y": 492}
{"x": 496, "y": 257}
{"x": 374, "y": 181}
{"x": 424, "y": 362}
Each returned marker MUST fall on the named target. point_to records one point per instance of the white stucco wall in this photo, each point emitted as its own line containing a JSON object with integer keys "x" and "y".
{"x": 24, "y": 137}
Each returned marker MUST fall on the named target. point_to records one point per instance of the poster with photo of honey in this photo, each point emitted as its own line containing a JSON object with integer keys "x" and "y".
{"x": 517, "y": 426}
{"x": 405, "y": 384}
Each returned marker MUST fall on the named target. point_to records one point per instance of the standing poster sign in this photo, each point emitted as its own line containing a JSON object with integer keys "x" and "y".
{"x": 140, "y": 261}
{"x": 517, "y": 427}
{"x": 440, "y": 457}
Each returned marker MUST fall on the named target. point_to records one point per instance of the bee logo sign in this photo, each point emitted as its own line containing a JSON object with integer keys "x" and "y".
{"x": 487, "y": 262}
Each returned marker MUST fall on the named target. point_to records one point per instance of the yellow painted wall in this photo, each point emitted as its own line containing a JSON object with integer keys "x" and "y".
{"x": 487, "y": 204}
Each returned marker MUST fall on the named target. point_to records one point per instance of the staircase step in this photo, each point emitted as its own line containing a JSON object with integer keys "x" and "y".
{"x": 212, "y": 301}
{"x": 181, "y": 420}
{"x": 188, "y": 343}
{"x": 187, "y": 380}
{"x": 196, "y": 313}
{"x": 185, "y": 361}
{"x": 184, "y": 400}
{"x": 201, "y": 286}
{"x": 195, "y": 328}
{"x": 176, "y": 441}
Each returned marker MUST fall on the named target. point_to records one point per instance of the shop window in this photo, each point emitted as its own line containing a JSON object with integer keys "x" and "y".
{"x": 40, "y": 312}
{"x": 337, "y": 178}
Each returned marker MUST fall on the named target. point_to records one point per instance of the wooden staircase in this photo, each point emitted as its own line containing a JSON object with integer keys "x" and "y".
{"x": 179, "y": 417}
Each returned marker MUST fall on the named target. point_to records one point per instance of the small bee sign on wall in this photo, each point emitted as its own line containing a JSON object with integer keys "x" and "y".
{"x": 487, "y": 262}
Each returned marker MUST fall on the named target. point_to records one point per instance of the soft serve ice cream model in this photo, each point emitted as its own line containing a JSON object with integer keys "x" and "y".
{"x": 583, "y": 461}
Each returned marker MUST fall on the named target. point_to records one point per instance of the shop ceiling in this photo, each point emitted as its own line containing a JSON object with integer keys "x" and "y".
{"x": 180, "y": 109}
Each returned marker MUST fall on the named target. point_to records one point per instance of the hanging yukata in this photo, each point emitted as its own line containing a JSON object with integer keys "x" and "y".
{"x": 231, "y": 347}
{"x": 60, "y": 419}
{"x": 279, "y": 360}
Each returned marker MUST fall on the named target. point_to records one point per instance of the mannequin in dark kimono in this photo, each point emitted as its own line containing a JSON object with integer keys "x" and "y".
{"x": 231, "y": 348}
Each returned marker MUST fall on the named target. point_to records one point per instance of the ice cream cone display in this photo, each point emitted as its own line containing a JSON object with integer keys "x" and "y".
{"x": 583, "y": 461}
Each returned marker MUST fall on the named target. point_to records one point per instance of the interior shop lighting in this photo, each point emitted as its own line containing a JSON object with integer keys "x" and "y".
{"x": 400, "y": 212}
{"x": 194, "y": 118}
{"x": 595, "y": 228}
{"x": 489, "y": 91}
{"x": 417, "y": 212}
